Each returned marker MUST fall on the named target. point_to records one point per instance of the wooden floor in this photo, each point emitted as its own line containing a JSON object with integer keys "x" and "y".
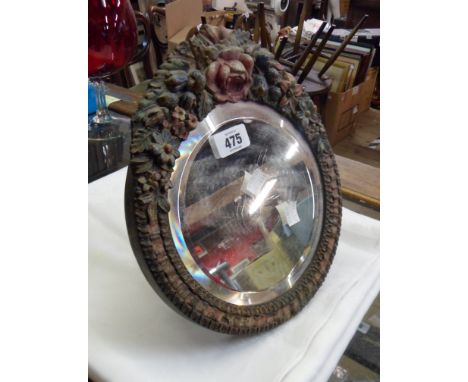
{"x": 355, "y": 146}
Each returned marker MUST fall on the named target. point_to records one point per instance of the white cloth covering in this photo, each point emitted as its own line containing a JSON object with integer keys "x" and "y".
{"x": 134, "y": 336}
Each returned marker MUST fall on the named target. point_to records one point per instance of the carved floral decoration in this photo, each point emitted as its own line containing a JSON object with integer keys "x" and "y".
{"x": 230, "y": 76}
{"x": 216, "y": 65}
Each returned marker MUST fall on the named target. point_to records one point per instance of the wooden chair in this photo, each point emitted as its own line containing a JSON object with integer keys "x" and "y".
{"x": 157, "y": 16}
{"x": 292, "y": 52}
{"x": 256, "y": 25}
{"x": 317, "y": 84}
{"x": 144, "y": 41}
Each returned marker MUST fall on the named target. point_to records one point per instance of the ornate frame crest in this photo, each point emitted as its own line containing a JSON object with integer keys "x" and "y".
{"x": 215, "y": 66}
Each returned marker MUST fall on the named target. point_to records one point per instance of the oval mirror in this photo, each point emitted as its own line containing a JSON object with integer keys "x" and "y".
{"x": 233, "y": 205}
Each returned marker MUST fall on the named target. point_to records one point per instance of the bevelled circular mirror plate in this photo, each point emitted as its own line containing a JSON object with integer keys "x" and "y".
{"x": 246, "y": 225}
{"x": 232, "y": 198}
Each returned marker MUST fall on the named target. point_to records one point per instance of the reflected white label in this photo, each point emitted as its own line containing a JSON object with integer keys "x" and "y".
{"x": 229, "y": 141}
{"x": 253, "y": 183}
{"x": 288, "y": 213}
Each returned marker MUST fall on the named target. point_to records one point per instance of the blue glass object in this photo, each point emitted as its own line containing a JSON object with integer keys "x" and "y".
{"x": 91, "y": 98}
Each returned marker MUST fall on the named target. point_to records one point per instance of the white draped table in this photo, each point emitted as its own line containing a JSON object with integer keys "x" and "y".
{"x": 135, "y": 337}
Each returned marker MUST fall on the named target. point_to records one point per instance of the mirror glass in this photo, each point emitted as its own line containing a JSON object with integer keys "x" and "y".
{"x": 246, "y": 203}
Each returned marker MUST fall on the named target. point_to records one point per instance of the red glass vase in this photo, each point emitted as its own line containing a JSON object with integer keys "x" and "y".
{"x": 112, "y": 42}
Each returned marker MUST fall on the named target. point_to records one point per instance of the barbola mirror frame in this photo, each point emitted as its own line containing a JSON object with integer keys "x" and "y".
{"x": 183, "y": 91}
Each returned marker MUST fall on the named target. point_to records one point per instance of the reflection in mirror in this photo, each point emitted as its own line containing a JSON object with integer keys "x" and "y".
{"x": 248, "y": 203}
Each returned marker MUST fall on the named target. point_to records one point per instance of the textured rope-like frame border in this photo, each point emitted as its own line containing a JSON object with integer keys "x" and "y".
{"x": 228, "y": 68}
